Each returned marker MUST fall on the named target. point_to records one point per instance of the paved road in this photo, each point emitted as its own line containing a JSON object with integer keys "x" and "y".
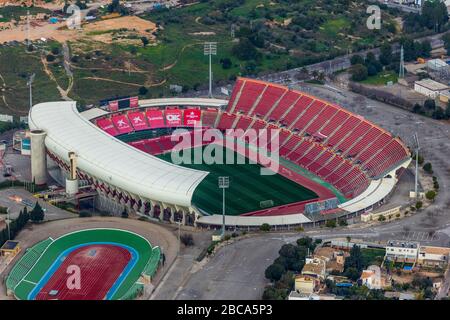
{"x": 235, "y": 272}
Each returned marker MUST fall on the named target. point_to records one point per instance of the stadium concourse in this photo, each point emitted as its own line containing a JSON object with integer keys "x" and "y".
{"x": 331, "y": 161}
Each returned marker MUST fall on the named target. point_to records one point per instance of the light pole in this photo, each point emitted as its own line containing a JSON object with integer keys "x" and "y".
{"x": 179, "y": 236}
{"x": 9, "y": 229}
{"x": 29, "y": 83}
{"x": 416, "y": 140}
{"x": 209, "y": 49}
{"x": 224, "y": 183}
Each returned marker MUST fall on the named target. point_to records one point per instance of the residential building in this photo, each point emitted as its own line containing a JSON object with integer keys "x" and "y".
{"x": 402, "y": 251}
{"x": 429, "y": 88}
{"x": 315, "y": 267}
{"x": 334, "y": 259}
{"x": 433, "y": 256}
{"x": 371, "y": 278}
{"x": 306, "y": 284}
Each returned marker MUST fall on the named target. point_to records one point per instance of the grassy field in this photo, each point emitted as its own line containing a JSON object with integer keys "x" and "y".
{"x": 15, "y": 66}
{"x": 373, "y": 256}
{"x": 247, "y": 187}
{"x": 14, "y": 12}
{"x": 382, "y": 78}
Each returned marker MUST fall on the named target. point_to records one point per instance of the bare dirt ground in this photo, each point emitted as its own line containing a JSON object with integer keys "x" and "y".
{"x": 99, "y": 31}
{"x": 132, "y": 24}
{"x": 156, "y": 234}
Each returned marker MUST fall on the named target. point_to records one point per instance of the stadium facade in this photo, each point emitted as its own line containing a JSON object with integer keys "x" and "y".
{"x": 319, "y": 141}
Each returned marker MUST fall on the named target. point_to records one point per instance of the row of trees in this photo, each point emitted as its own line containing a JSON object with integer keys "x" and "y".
{"x": 434, "y": 16}
{"x": 36, "y": 215}
{"x": 431, "y": 109}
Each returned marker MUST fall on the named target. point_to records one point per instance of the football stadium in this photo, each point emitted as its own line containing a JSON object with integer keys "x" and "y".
{"x": 329, "y": 162}
{"x": 112, "y": 264}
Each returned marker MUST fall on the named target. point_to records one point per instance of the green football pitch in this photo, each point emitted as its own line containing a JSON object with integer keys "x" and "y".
{"x": 249, "y": 190}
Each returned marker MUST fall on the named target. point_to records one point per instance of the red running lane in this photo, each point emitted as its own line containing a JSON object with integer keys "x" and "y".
{"x": 100, "y": 266}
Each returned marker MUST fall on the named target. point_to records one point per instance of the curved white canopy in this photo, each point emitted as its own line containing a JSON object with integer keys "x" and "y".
{"x": 111, "y": 160}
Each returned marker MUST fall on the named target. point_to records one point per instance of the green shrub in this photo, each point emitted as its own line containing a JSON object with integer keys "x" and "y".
{"x": 85, "y": 214}
{"x": 419, "y": 205}
{"x": 265, "y": 227}
{"x": 331, "y": 224}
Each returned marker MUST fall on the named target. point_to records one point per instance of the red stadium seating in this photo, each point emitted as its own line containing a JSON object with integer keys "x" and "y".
{"x": 226, "y": 121}
{"x": 300, "y": 106}
{"x": 120, "y": 121}
{"x": 285, "y": 103}
{"x": 209, "y": 117}
{"x": 106, "y": 125}
{"x": 252, "y": 91}
{"x": 268, "y": 99}
{"x": 336, "y": 145}
{"x": 138, "y": 121}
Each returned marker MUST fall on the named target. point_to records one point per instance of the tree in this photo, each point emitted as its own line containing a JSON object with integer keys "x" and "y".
{"x": 359, "y": 72}
{"x": 226, "y": 63}
{"x": 292, "y": 257}
{"x": 330, "y": 223}
{"x": 274, "y": 272}
{"x": 447, "y": 111}
{"x": 145, "y": 41}
{"x": 187, "y": 239}
{"x": 114, "y": 6}
{"x": 356, "y": 59}
{"x": 304, "y": 242}
{"x": 434, "y": 14}
{"x": 428, "y": 167}
{"x": 55, "y": 51}
{"x": 37, "y": 214}
{"x": 429, "y": 104}
{"x": 385, "y": 54}
{"x": 419, "y": 205}
{"x": 438, "y": 114}
{"x": 143, "y": 91}
{"x": 50, "y": 58}
{"x": 417, "y": 108}
{"x": 430, "y": 195}
{"x": 355, "y": 260}
{"x": 245, "y": 50}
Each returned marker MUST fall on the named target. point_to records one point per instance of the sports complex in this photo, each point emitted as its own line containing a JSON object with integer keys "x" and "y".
{"x": 329, "y": 162}
{"x": 106, "y": 264}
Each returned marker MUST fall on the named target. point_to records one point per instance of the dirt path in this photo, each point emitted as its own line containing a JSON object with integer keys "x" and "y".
{"x": 127, "y": 83}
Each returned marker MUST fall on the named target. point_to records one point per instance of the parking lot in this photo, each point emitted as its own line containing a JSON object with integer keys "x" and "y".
{"x": 14, "y": 199}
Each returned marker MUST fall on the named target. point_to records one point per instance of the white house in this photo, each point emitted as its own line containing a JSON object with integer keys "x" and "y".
{"x": 402, "y": 251}
{"x": 429, "y": 88}
{"x": 433, "y": 256}
{"x": 371, "y": 277}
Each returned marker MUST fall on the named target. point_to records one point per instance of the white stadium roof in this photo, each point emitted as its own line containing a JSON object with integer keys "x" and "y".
{"x": 110, "y": 160}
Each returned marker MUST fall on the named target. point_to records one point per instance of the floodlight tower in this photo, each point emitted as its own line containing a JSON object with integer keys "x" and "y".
{"x": 401, "y": 73}
{"x": 416, "y": 141}
{"x": 29, "y": 83}
{"x": 224, "y": 183}
{"x": 210, "y": 48}
{"x": 28, "y": 29}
